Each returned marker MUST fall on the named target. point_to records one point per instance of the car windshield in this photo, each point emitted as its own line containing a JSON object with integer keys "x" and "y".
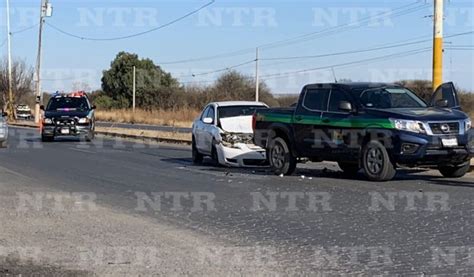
{"x": 388, "y": 98}
{"x": 68, "y": 104}
{"x": 234, "y": 111}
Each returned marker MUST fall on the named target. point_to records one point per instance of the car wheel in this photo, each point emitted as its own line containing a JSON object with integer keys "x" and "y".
{"x": 215, "y": 155}
{"x": 47, "y": 138}
{"x": 454, "y": 171}
{"x": 280, "y": 157}
{"x": 376, "y": 162}
{"x": 197, "y": 157}
{"x": 349, "y": 168}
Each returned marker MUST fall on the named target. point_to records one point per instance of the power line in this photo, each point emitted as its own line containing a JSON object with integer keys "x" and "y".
{"x": 403, "y": 10}
{"x": 132, "y": 35}
{"x": 404, "y": 53}
{"x": 24, "y": 29}
{"x": 221, "y": 70}
{"x": 383, "y": 47}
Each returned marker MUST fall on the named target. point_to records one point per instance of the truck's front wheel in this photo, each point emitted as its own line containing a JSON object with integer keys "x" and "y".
{"x": 377, "y": 163}
{"x": 454, "y": 171}
{"x": 280, "y": 157}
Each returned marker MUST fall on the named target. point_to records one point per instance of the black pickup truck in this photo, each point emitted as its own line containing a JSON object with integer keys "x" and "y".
{"x": 371, "y": 126}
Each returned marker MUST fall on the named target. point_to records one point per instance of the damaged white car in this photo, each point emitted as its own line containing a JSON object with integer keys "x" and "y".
{"x": 224, "y": 132}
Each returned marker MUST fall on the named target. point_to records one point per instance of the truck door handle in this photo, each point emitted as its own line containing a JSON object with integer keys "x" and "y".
{"x": 298, "y": 118}
{"x": 326, "y": 120}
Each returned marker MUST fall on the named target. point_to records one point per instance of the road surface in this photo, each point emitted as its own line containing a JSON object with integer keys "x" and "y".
{"x": 316, "y": 222}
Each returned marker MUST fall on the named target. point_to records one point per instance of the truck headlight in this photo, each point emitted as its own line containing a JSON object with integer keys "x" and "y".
{"x": 409, "y": 125}
{"x": 83, "y": 120}
{"x": 47, "y": 121}
{"x": 468, "y": 124}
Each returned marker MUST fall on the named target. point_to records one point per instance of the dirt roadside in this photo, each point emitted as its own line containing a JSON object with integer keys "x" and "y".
{"x": 80, "y": 238}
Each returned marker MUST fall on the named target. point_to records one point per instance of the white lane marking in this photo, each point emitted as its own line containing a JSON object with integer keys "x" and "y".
{"x": 82, "y": 150}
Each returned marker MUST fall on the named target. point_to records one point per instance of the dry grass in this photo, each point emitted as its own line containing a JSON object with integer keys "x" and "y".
{"x": 175, "y": 118}
{"x": 147, "y": 133}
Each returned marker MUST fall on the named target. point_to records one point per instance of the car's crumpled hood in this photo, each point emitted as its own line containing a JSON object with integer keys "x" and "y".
{"x": 238, "y": 124}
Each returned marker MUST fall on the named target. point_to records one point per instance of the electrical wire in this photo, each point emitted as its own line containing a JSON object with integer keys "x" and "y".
{"x": 403, "y": 10}
{"x": 395, "y": 55}
{"x": 24, "y": 29}
{"x": 220, "y": 70}
{"x": 132, "y": 35}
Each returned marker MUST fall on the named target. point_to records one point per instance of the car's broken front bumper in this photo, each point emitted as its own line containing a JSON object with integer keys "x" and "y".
{"x": 242, "y": 155}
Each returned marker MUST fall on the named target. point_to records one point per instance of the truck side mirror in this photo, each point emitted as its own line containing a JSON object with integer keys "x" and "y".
{"x": 442, "y": 103}
{"x": 42, "y": 107}
{"x": 4, "y": 114}
{"x": 345, "y": 106}
{"x": 93, "y": 107}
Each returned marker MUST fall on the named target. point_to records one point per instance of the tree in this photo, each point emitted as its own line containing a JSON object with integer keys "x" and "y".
{"x": 154, "y": 85}
{"x": 233, "y": 86}
{"x": 22, "y": 83}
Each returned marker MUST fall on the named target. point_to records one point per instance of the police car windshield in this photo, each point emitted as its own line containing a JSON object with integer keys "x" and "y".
{"x": 390, "y": 98}
{"x": 68, "y": 104}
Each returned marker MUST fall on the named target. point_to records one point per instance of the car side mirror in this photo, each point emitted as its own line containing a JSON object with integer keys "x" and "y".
{"x": 42, "y": 107}
{"x": 442, "y": 103}
{"x": 345, "y": 106}
{"x": 208, "y": 120}
{"x": 4, "y": 114}
{"x": 93, "y": 107}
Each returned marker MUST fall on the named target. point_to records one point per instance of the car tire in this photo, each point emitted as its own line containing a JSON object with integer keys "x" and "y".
{"x": 197, "y": 157}
{"x": 376, "y": 162}
{"x": 280, "y": 157}
{"x": 215, "y": 155}
{"x": 349, "y": 169}
{"x": 454, "y": 171}
{"x": 45, "y": 138}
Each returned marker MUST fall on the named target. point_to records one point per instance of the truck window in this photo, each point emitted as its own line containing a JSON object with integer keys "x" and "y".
{"x": 316, "y": 99}
{"x": 336, "y": 97}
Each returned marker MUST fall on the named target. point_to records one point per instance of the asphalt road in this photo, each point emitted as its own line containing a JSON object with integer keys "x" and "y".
{"x": 418, "y": 223}
{"x": 144, "y": 127}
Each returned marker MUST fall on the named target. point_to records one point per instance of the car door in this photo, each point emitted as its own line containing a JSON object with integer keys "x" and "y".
{"x": 309, "y": 136}
{"x": 338, "y": 127}
{"x": 199, "y": 130}
{"x": 209, "y": 130}
{"x": 446, "y": 92}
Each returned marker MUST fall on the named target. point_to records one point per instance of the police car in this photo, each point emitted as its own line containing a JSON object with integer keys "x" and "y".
{"x": 68, "y": 115}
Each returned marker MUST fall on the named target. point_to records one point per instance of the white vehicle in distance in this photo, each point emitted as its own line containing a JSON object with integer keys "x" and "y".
{"x": 224, "y": 132}
{"x": 3, "y": 130}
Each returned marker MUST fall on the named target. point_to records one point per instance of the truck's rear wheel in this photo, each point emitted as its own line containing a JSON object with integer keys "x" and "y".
{"x": 376, "y": 162}
{"x": 280, "y": 157}
{"x": 454, "y": 171}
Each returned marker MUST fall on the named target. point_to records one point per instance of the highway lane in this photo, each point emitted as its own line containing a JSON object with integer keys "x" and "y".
{"x": 144, "y": 127}
{"x": 347, "y": 216}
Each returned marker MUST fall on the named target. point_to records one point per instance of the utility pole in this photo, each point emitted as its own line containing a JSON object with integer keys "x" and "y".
{"x": 257, "y": 78}
{"x": 45, "y": 11}
{"x": 134, "y": 87}
{"x": 438, "y": 43}
{"x": 10, "y": 107}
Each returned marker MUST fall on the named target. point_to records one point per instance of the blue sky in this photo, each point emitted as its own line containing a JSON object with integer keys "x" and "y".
{"x": 229, "y": 26}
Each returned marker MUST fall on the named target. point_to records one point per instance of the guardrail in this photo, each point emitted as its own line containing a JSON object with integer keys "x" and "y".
{"x": 117, "y": 135}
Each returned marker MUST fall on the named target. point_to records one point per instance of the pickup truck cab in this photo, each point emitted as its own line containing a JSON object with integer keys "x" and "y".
{"x": 371, "y": 126}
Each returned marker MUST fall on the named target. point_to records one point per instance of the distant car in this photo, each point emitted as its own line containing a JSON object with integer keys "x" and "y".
{"x": 23, "y": 112}
{"x": 3, "y": 131}
{"x": 68, "y": 115}
{"x": 224, "y": 132}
